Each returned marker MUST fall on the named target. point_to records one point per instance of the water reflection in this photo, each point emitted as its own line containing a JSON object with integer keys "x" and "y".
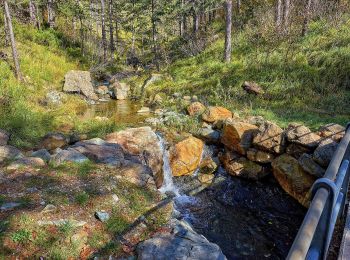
{"x": 121, "y": 111}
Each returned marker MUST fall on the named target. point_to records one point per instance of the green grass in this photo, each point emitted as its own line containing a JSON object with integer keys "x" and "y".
{"x": 43, "y": 63}
{"x": 305, "y": 79}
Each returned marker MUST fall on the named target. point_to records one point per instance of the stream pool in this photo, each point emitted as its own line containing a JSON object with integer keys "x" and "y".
{"x": 248, "y": 220}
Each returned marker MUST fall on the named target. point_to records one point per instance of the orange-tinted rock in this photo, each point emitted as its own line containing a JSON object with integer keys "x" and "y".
{"x": 213, "y": 114}
{"x": 196, "y": 108}
{"x": 292, "y": 178}
{"x": 270, "y": 138}
{"x": 238, "y": 136}
{"x": 185, "y": 156}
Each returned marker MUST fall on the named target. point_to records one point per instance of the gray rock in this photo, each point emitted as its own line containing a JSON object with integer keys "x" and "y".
{"x": 120, "y": 91}
{"x": 183, "y": 243}
{"x": 79, "y": 82}
{"x": 8, "y": 152}
{"x": 54, "y": 97}
{"x": 310, "y": 166}
{"x": 334, "y": 131}
{"x": 102, "y": 216}
{"x": 43, "y": 154}
{"x": 324, "y": 152}
{"x": 26, "y": 161}
{"x": 104, "y": 153}
{"x": 49, "y": 208}
{"x": 300, "y": 134}
{"x": 69, "y": 155}
{"x": 4, "y": 137}
{"x": 9, "y": 206}
{"x": 209, "y": 135}
{"x": 153, "y": 121}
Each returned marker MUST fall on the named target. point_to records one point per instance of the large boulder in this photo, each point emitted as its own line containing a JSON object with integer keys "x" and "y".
{"x": 182, "y": 243}
{"x": 292, "y": 178}
{"x": 334, "y": 131}
{"x": 51, "y": 141}
{"x": 300, "y": 134}
{"x": 213, "y": 114}
{"x": 8, "y": 152}
{"x": 120, "y": 90}
{"x": 185, "y": 156}
{"x": 324, "y": 152}
{"x": 310, "y": 166}
{"x": 238, "y": 136}
{"x": 270, "y": 138}
{"x": 100, "y": 152}
{"x": 196, "y": 108}
{"x": 79, "y": 82}
{"x": 143, "y": 144}
{"x": 242, "y": 167}
{"x": 4, "y": 137}
{"x": 43, "y": 154}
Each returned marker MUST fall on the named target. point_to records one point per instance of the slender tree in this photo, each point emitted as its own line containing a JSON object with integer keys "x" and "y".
{"x": 111, "y": 29}
{"x": 279, "y": 14}
{"x": 103, "y": 27}
{"x": 51, "y": 13}
{"x": 12, "y": 40}
{"x": 307, "y": 14}
{"x": 228, "y": 30}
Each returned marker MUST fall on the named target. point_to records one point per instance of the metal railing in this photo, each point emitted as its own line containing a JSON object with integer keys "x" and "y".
{"x": 329, "y": 195}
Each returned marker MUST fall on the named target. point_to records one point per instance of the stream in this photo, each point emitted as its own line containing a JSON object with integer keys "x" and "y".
{"x": 120, "y": 111}
{"x": 247, "y": 219}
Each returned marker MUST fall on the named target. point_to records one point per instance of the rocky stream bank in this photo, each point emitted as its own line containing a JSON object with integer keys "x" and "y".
{"x": 234, "y": 188}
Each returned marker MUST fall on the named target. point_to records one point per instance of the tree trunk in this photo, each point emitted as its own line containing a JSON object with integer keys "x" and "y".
{"x": 154, "y": 35}
{"x": 7, "y": 38}
{"x": 32, "y": 13}
{"x": 307, "y": 14}
{"x": 103, "y": 27}
{"x": 116, "y": 34}
{"x": 38, "y": 23}
{"x": 12, "y": 39}
{"x": 195, "y": 22}
{"x": 286, "y": 14}
{"x": 111, "y": 29}
{"x": 228, "y": 34}
{"x": 278, "y": 15}
{"x": 182, "y": 18}
{"x": 51, "y": 14}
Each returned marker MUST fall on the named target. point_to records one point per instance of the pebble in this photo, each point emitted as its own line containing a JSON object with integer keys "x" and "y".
{"x": 102, "y": 216}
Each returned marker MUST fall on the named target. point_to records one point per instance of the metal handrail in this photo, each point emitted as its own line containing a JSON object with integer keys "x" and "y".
{"x": 328, "y": 199}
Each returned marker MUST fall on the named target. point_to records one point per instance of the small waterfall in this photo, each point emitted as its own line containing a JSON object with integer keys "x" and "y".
{"x": 168, "y": 184}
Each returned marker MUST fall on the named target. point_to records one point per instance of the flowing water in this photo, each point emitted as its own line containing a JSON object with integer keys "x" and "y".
{"x": 247, "y": 219}
{"x": 168, "y": 184}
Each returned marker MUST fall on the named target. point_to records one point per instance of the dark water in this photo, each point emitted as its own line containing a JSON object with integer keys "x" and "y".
{"x": 248, "y": 220}
{"x": 121, "y": 111}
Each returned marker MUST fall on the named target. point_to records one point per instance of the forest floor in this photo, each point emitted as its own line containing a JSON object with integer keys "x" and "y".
{"x": 55, "y": 207}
